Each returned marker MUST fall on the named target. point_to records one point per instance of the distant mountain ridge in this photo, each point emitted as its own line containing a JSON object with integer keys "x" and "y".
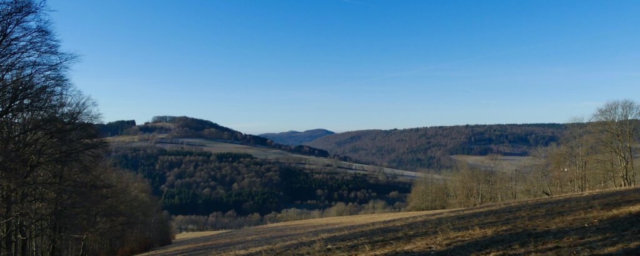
{"x": 431, "y": 147}
{"x": 295, "y": 138}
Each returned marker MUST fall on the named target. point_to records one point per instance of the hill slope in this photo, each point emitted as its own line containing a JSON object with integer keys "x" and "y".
{"x": 165, "y": 128}
{"x": 297, "y": 138}
{"x": 430, "y": 147}
{"x": 308, "y": 162}
{"x": 598, "y": 223}
{"x": 206, "y": 181}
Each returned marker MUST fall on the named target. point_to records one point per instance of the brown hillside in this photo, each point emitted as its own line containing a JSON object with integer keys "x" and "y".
{"x": 606, "y": 222}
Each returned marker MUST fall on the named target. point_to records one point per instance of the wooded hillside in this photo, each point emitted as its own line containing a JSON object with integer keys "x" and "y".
{"x": 201, "y": 183}
{"x": 430, "y": 147}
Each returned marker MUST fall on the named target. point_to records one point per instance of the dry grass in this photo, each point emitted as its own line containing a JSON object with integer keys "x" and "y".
{"x": 606, "y": 222}
{"x": 189, "y": 235}
{"x": 504, "y": 163}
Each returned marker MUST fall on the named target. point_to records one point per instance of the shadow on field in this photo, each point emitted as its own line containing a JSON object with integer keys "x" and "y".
{"x": 561, "y": 226}
{"x": 601, "y": 223}
{"x": 578, "y": 240}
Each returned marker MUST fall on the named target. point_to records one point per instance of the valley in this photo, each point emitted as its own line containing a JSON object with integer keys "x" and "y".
{"x": 285, "y": 157}
{"x": 346, "y": 127}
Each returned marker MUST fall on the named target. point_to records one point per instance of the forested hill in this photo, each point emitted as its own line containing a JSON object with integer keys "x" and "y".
{"x": 201, "y": 183}
{"x": 430, "y": 147}
{"x": 187, "y": 127}
{"x": 297, "y": 138}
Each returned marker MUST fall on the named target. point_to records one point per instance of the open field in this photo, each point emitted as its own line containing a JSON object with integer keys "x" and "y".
{"x": 502, "y": 163}
{"x": 594, "y": 223}
{"x": 497, "y": 162}
{"x": 189, "y": 235}
{"x": 219, "y": 147}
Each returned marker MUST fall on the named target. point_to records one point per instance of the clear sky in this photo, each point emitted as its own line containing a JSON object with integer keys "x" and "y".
{"x": 272, "y": 66}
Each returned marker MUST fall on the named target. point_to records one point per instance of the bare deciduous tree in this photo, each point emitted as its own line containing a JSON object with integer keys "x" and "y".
{"x": 50, "y": 154}
{"x": 429, "y": 193}
{"x": 616, "y": 128}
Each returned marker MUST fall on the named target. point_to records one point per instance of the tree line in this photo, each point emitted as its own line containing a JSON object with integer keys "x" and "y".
{"x": 231, "y": 220}
{"x": 116, "y": 128}
{"x": 57, "y": 194}
{"x": 600, "y": 153}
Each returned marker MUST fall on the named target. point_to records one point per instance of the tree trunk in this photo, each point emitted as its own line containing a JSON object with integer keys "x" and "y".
{"x": 23, "y": 239}
{"x": 8, "y": 224}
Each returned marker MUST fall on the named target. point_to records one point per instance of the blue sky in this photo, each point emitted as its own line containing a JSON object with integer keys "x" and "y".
{"x": 271, "y": 66}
